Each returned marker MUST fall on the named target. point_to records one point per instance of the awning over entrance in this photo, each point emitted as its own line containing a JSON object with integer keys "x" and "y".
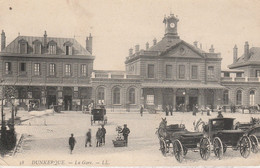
{"x": 188, "y": 86}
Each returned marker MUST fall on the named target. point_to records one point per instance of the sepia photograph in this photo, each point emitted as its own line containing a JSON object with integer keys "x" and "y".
{"x": 116, "y": 83}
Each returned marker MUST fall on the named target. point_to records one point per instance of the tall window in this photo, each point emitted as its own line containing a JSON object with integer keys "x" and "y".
{"x": 257, "y": 73}
{"x": 116, "y": 96}
{"x": 150, "y": 99}
{"x": 22, "y": 67}
{"x": 194, "y": 72}
{"x": 132, "y": 96}
{"x": 84, "y": 71}
{"x": 52, "y": 49}
{"x": 67, "y": 69}
{"x": 211, "y": 72}
{"x": 168, "y": 71}
{"x": 37, "y": 48}
{"x": 52, "y": 69}
{"x": 239, "y": 97}
{"x": 150, "y": 71}
{"x": 23, "y": 48}
{"x": 37, "y": 69}
{"x": 8, "y": 68}
{"x": 252, "y": 98}
{"x": 225, "y": 97}
{"x": 181, "y": 71}
{"x": 101, "y": 95}
{"x": 67, "y": 50}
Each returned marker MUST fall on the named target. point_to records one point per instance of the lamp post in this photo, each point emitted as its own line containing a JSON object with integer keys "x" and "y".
{"x": 3, "y": 127}
{"x": 12, "y": 102}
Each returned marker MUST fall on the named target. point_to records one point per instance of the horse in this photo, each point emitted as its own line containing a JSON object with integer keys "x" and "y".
{"x": 199, "y": 126}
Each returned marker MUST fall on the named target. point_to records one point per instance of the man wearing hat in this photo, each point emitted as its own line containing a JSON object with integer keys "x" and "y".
{"x": 125, "y": 132}
{"x": 104, "y": 131}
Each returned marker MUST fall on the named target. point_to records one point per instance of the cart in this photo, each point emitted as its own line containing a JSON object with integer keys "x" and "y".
{"x": 180, "y": 140}
{"x": 222, "y": 135}
{"x": 119, "y": 141}
{"x": 98, "y": 114}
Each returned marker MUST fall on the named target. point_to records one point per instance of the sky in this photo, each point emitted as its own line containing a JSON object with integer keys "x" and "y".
{"x": 117, "y": 25}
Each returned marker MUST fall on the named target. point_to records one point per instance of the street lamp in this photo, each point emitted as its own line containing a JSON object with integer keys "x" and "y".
{"x": 12, "y": 102}
{"x": 3, "y": 127}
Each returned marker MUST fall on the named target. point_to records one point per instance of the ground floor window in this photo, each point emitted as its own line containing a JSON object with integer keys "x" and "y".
{"x": 225, "y": 97}
{"x": 150, "y": 99}
{"x": 101, "y": 95}
{"x": 116, "y": 96}
{"x": 132, "y": 96}
{"x": 252, "y": 98}
{"x": 239, "y": 97}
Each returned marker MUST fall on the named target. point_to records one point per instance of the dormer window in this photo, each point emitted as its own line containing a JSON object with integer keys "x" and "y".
{"x": 68, "y": 47}
{"x": 23, "y": 46}
{"x": 52, "y": 47}
{"x": 37, "y": 45}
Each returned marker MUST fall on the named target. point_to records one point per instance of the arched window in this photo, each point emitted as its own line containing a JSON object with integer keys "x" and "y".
{"x": 116, "y": 96}
{"x": 252, "y": 98}
{"x": 132, "y": 96}
{"x": 101, "y": 95}
{"x": 225, "y": 97}
{"x": 239, "y": 97}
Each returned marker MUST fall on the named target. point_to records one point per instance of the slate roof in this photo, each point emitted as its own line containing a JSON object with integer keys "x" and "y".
{"x": 254, "y": 58}
{"x": 167, "y": 43}
{"x": 13, "y": 47}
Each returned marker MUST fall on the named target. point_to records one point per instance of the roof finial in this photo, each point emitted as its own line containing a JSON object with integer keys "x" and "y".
{"x": 18, "y": 33}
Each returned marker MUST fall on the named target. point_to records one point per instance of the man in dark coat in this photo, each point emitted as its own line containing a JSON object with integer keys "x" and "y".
{"x": 88, "y": 138}
{"x": 72, "y": 143}
{"x": 99, "y": 136}
{"x": 167, "y": 110}
{"x": 141, "y": 110}
{"x": 171, "y": 109}
{"x": 104, "y": 131}
{"x": 125, "y": 131}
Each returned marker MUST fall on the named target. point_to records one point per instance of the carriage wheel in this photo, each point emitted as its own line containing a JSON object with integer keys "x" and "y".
{"x": 185, "y": 150}
{"x": 254, "y": 143}
{"x": 91, "y": 120}
{"x": 178, "y": 150}
{"x": 204, "y": 148}
{"x": 218, "y": 147}
{"x": 163, "y": 147}
{"x": 245, "y": 146}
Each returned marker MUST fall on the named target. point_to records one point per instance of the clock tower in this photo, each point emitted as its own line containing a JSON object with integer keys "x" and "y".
{"x": 171, "y": 26}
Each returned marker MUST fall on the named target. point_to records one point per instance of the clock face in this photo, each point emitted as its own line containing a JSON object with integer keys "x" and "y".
{"x": 172, "y": 25}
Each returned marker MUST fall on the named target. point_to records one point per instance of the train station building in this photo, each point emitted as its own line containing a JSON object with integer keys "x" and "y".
{"x": 168, "y": 72}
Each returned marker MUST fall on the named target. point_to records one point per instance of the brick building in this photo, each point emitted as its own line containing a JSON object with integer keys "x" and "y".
{"x": 50, "y": 70}
{"x": 169, "y": 72}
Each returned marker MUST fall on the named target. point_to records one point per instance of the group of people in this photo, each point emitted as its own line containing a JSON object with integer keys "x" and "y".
{"x": 168, "y": 109}
{"x": 100, "y": 137}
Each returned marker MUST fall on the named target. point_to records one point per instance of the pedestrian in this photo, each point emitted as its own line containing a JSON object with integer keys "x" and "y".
{"x": 88, "y": 138}
{"x": 125, "y": 131}
{"x": 167, "y": 110}
{"x": 141, "y": 110}
{"x": 183, "y": 107}
{"x": 171, "y": 109}
{"x": 99, "y": 137}
{"x": 72, "y": 143}
{"x": 194, "y": 110}
{"x": 104, "y": 131}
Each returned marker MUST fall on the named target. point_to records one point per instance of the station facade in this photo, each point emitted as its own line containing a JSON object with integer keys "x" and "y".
{"x": 169, "y": 72}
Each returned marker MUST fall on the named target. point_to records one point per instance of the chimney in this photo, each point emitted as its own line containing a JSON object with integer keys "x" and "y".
{"x": 3, "y": 40}
{"x": 45, "y": 39}
{"x": 137, "y": 48}
{"x": 147, "y": 46}
{"x": 235, "y": 54}
{"x": 154, "y": 41}
{"x": 195, "y": 43}
{"x": 246, "y": 51}
{"x": 211, "y": 50}
{"x": 130, "y": 52}
{"x": 89, "y": 43}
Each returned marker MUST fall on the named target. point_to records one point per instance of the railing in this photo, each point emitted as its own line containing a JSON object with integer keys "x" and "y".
{"x": 240, "y": 79}
{"x": 114, "y": 76}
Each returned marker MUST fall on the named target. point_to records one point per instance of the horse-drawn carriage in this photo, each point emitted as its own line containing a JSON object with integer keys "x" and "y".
{"x": 181, "y": 140}
{"x": 222, "y": 135}
{"x": 98, "y": 114}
